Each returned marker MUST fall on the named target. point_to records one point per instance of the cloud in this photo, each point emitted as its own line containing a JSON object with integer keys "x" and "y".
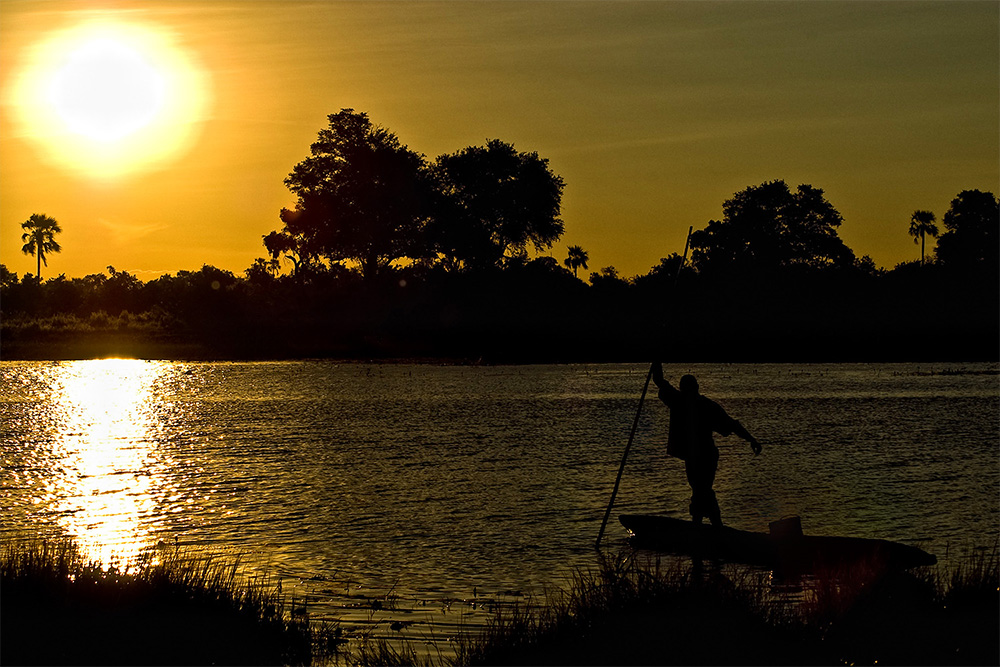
{"x": 128, "y": 233}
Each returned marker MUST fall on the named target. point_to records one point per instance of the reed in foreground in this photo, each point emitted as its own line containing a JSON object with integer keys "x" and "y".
{"x": 630, "y": 612}
{"x": 175, "y": 609}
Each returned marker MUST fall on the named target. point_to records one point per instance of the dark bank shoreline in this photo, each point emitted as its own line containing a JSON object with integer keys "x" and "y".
{"x": 524, "y": 316}
{"x": 59, "y": 346}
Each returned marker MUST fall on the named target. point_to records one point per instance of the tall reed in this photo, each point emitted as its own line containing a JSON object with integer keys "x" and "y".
{"x": 171, "y": 608}
{"x": 635, "y": 611}
{"x": 177, "y": 608}
{"x": 632, "y": 611}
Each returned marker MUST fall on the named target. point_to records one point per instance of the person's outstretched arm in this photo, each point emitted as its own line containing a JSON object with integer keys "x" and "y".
{"x": 743, "y": 433}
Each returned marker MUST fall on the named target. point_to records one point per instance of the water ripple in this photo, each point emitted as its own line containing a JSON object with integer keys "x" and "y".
{"x": 450, "y": 487}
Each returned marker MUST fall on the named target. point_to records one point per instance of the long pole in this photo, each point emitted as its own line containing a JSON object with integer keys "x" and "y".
{"x": 638, "y": 412}
{"x": 684, "y": 257}
{"x": 621, "y": 468}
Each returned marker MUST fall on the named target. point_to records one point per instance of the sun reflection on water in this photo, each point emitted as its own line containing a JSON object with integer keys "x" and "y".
{"x": 106, "y": 476}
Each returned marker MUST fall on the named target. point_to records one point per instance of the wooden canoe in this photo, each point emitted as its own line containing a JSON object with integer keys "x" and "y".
{"x": 784, "y": 548}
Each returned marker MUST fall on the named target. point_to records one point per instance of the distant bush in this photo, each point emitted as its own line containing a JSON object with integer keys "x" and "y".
{"x": 524, "y": 312}
{"x": 99, "y": 321}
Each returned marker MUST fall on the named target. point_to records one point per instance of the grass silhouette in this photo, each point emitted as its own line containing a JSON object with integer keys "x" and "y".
{"x": 176, "y": 608}
{"x": 635, "y": 612}
{"x": 171, "y": 608}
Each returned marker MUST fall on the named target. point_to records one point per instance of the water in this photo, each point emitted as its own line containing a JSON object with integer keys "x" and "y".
{"x": 417, "y": 493}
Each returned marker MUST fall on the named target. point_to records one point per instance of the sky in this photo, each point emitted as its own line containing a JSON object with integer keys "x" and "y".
{"x": 654, "y": 113}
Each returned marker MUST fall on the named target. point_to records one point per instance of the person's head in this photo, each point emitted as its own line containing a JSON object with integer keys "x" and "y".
{"x": 689, "y": 385}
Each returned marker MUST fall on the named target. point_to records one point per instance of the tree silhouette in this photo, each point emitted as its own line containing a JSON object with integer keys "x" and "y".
{"x": 608, "y": 278}
{"x": 292, "y": 245}
{"x": 769, "y": 227}
{"x": 361, "y": 197}
{"x": 971, "y": 239}
{"x": 262, "y": 271}
{"x": 922, "y": 225}
{"x": 664, "y": 275}
{"x": 39, "y": 239}
{"x": 492, "y": 201}
{"x": 7, "y": 278}
{"x": 577, "y": 258}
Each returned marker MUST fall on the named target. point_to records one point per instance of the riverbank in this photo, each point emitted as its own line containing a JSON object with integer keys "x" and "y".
{"x": 125, "y": 344}
{"x": 631, "y": 610}
{"x": 614, "y": 338}
{"x": 171, "y": 608}
{"x": 635, "y": 612}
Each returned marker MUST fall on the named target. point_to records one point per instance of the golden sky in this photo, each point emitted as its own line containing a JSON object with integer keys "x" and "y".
{"x": 653, "y": 112}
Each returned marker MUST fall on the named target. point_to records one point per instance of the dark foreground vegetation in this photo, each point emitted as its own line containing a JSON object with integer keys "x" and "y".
{"x": 389, "y": 254}
{"x": 57, "y": 609}
{"x": 632, "y": 613}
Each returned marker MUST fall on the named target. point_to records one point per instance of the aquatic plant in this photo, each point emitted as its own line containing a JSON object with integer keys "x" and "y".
{"x": 371, "y": 652}
{"x": 939, "y": 616}
{"x": 631, "y": 611}
{"x": 975, "y": 581}
{"x": 172, "y": 607}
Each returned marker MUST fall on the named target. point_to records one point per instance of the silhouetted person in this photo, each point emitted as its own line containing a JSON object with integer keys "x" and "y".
{"x": 693, "y": 419}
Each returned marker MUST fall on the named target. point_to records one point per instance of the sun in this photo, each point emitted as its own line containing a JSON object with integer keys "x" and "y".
{"x": 108, "y": 98}
{"x": 107, "y": 90}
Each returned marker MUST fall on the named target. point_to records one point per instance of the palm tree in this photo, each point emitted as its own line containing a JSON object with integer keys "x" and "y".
{"x": 577, "y": 258}
{"x": 40, "y": 238}
{"x": 922, "y": 224}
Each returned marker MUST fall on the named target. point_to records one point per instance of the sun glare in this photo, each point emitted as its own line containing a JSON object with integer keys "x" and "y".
{"x": 110, "y": 98}
{"x": 107, "y": 457}
{"x": 106, "y": 91}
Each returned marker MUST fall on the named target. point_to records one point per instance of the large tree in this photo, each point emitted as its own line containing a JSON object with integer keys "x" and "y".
{"x": 361, "y": 197}
{"x": 921, "y": 226}
{"x": 767, "y": 228}
{"x": 971, "y": 239}
{"x": 494, "y": 201}
{"x": 40, "y": 239}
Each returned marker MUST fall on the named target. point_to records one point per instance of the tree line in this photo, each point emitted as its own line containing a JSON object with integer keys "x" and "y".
{"x": 392, "y": 254}
{"x": 367, "y": 201}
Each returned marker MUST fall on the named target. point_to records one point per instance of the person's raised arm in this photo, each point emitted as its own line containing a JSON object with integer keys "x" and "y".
{"x": 668, "y": 394}
{"x": 658, "y": 375}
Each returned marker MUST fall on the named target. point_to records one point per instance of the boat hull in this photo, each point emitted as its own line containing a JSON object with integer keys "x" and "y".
{"x": 786, "y": 552}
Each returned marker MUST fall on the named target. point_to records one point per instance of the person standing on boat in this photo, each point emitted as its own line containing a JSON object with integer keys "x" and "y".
{"x": 693, "y": 420}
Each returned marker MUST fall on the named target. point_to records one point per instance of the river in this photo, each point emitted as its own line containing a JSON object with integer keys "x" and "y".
{"x": 412, "y": 493}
